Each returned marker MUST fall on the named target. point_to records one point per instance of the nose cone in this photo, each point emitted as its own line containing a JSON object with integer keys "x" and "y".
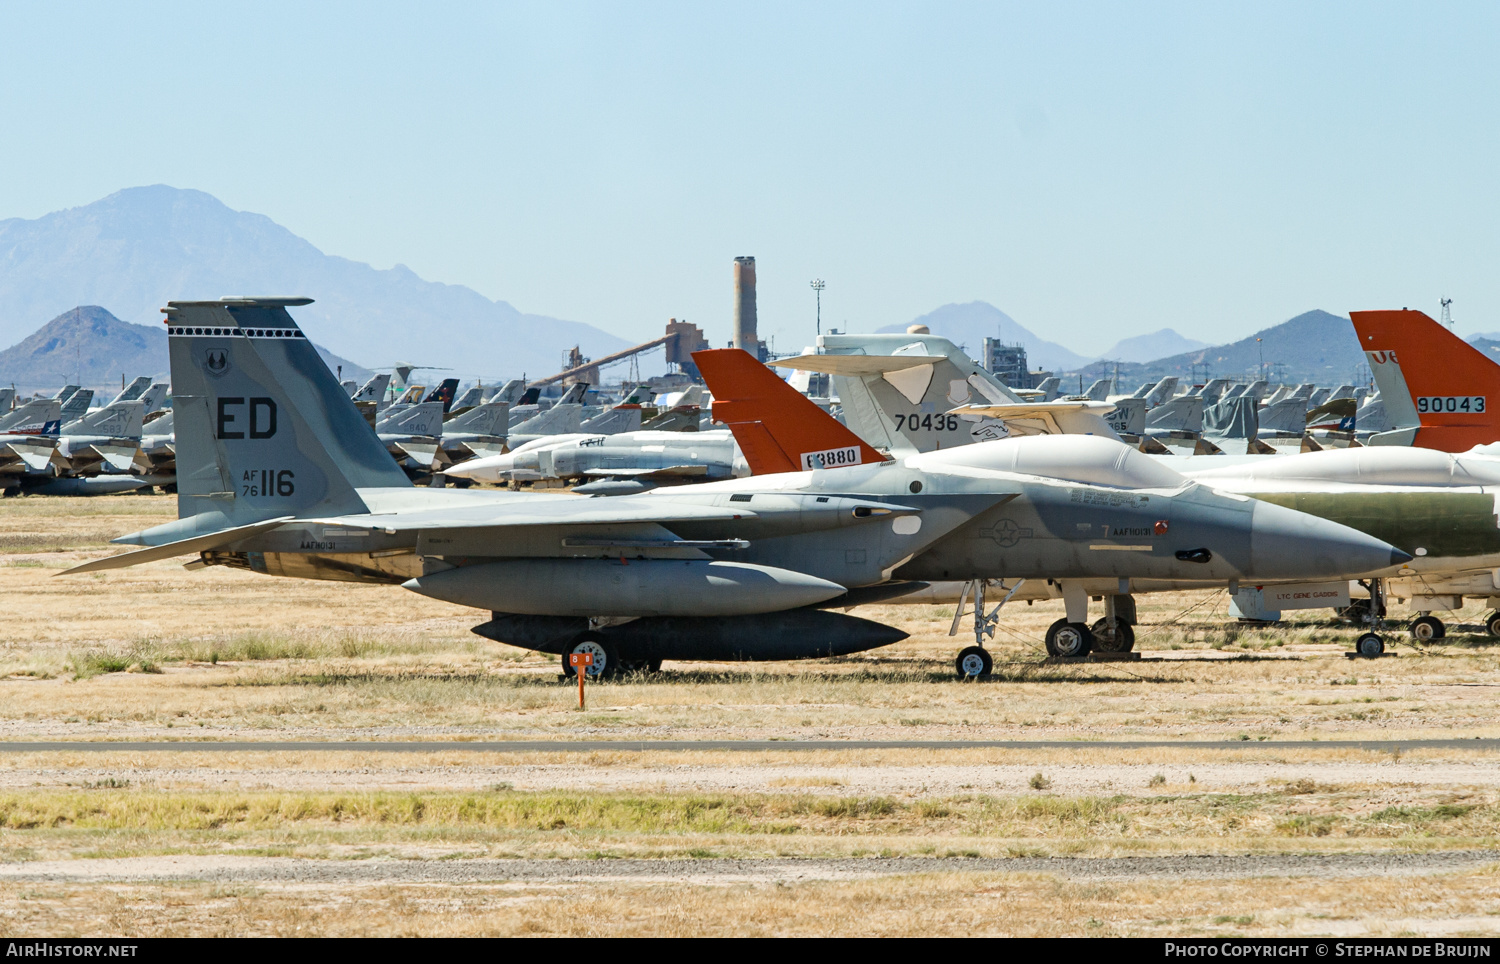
{"x": 492, "y": 468}
{"x": 1286, "y": 544}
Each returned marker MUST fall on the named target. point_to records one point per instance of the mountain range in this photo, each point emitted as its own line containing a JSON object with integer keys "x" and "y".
{"x": 98, "y": 268}
{"x": 88, "y": 346}
{"x": 969, "y": 324}
{"x": 133, "y": 251}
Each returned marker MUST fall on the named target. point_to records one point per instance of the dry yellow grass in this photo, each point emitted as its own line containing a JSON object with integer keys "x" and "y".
{"x": 957, "y": 904}
{"x": 220, "y": 654}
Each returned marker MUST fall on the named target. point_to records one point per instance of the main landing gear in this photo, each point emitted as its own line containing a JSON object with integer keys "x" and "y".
{"x": 608, "y": 663}
{"x": 1427, "y": 627}
{"x": 1114, "y": 633}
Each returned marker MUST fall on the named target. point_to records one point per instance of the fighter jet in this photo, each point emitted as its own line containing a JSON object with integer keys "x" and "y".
{"x": 280, "y": 475}
{"x": 622, "y": 463}
{"x": 779, "y": 431}
{"x": 95, "y": 454}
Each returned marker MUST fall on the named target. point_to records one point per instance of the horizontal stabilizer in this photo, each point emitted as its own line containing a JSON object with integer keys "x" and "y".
{"x": 856, "y": 364}
{"x": 197, "y": 544}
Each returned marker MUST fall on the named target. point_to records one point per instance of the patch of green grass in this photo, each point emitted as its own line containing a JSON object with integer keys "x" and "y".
{"x": 1418, "y": 816}
{"x": 1305, "y": 825}
{"x": 95, "y": 662}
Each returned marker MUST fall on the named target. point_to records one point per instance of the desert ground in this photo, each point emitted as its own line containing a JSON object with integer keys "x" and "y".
{"x": 1227, "y": 830}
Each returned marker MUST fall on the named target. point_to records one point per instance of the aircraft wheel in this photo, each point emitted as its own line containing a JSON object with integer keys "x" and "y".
{"x": 1369, "y": 646}
{"x": 1492, "y": 623}
{"x": 1069, "y": 639}
{"x": 606, "y": 658}
{"x": 1427, "y": 627}
{"x": 973, "y": 661}
{"x": 1121, "y": 639}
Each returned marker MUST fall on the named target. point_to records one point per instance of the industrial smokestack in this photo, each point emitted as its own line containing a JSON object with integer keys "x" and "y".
{"x": 744, "y": 306}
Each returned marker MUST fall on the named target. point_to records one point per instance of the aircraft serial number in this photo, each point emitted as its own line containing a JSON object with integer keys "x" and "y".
{"x": 263, "y": 482}
{"x": 930, "y": 423}
{"x": 1450, "y": 403}
{"x": 831, "y": 458}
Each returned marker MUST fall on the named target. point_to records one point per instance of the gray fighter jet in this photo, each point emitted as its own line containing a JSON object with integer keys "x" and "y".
{"x": 278, "y": 473}
{"x": 627, "y": 462}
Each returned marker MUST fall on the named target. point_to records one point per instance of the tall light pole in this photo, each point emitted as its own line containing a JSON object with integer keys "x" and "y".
{"x": 817, "y": 286}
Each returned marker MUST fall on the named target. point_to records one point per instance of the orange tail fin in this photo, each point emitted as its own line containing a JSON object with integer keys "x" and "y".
{"x": 1451, "y": 383}
{"x": 778, "y": 428}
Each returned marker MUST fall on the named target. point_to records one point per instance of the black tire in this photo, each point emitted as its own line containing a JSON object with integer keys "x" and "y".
{"x": 606, "y": 657}
{"x": 1492, "y": 623}
{"x": 1369, "y": 646}
{"x": 1069, "y": 640}
{"x": 1427, "y": 627}
{"x": 973, "y": 661}
{"x": 1121, "y": 639}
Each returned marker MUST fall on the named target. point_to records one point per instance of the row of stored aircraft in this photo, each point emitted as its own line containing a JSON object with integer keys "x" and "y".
{"x": 280, "y": 472}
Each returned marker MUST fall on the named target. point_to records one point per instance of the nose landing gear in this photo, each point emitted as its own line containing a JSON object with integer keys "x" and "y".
{"x": 975, "y": 661}
{"x": 1370, "y": 645}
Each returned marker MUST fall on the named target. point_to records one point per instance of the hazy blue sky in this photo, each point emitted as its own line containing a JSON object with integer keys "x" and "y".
{"x": 1095, "y": 170}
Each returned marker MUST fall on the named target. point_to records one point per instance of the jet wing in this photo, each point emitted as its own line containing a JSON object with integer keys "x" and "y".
{"x": 667, "y": 472}
{"x": 1033, "y": 409}
{"x": 857, "y": 364}
{"x": 180, "y": 548}
{"x": 563, "y": 512}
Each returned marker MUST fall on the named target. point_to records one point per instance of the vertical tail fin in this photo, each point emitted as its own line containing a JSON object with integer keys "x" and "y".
{"x": 153, "y": 398}
{"x": 115, "y": 420}
{"x": 777, "y": 427}
{"x": 263, "y": 428}
{"x": 33, "y": 418}
{"x": 444, "y": 393}
{"x": 77, "y": 405}
{"x": 1443, "y": 385}
{"x": 132, "y": 391}
{"x": 488, "y": 418}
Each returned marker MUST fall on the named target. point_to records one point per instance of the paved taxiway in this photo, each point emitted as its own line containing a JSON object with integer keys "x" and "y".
{"x": 760, "y": 746}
